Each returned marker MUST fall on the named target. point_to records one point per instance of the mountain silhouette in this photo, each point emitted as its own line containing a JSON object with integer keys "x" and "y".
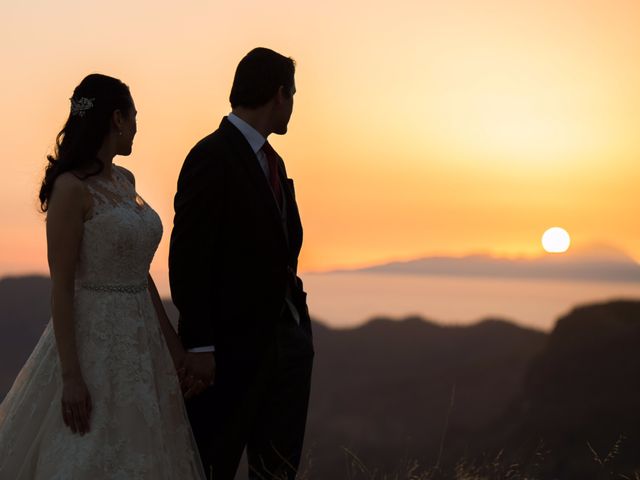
{"x": 388, "y": 386}
{"x": 596, "y": 263}
{"x": 24, "y": 312}
{"x": 581, "y": 395}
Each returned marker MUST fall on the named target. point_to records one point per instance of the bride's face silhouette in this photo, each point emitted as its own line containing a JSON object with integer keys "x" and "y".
{"x": 128, "y": 127}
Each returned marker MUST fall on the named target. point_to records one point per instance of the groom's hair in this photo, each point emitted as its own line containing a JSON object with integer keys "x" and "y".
{"x": 259, "y": 76}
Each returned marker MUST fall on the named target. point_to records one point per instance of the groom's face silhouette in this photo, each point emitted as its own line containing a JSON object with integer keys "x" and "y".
{"x": 283, "y": 110}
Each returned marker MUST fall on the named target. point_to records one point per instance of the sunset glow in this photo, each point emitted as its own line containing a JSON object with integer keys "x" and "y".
{"x": 419, "y": 128}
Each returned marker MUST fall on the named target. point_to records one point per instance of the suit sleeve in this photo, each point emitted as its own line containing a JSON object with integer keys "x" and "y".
{"x": 198, "y": 216}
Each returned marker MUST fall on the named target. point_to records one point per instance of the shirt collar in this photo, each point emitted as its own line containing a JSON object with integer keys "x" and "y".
{"x": 255, "y": 139}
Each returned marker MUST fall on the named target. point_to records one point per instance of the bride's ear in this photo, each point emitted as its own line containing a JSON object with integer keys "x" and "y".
{"x": 117, "y": 120}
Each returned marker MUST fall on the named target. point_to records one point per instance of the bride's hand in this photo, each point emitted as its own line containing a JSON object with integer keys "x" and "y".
{"x": 76, "y": 405}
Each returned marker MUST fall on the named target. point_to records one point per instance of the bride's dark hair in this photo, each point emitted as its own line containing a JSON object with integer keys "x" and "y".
{"x": 92, "y": 106}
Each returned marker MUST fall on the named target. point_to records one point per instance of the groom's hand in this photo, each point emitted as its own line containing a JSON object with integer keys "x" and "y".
{"x": 198, "y": 373}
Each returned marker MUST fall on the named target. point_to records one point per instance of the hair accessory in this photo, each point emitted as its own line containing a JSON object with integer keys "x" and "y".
{"x": 80, "y": 105}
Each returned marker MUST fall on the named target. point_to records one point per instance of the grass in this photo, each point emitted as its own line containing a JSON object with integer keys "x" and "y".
{"x": 487, "y": 469}
{"x": 497, "y": 467}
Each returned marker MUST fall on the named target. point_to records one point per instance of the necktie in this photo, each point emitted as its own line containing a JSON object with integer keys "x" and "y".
{"x": 274, "y": 176}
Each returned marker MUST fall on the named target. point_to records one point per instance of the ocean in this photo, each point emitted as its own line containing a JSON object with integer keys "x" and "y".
{"x": 343, "y": 300}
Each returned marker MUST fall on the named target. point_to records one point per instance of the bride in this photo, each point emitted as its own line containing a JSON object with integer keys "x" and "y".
{"x": 99, "y": 397}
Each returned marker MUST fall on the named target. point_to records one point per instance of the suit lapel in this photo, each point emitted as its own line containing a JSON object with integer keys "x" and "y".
{"x": 248, "y": 158}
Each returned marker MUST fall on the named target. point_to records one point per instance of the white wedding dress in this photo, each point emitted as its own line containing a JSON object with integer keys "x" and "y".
{"x": 139, "y": 427}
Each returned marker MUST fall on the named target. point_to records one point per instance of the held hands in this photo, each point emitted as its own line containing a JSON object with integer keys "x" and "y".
{"x": 76, "y": 405}
{"x": 197, "y": 373}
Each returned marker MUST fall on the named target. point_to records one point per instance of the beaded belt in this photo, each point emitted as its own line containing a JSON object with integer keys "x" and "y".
{"x": 115, "y": 288}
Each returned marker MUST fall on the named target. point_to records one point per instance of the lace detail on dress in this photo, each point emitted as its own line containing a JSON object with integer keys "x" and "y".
{"x": 120, "y": 236}
{"x": 107, "y": 194}
{"x": 139, "y": 427}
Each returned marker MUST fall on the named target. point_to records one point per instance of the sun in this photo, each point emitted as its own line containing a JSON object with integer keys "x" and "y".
{"x": 556, "y": 240}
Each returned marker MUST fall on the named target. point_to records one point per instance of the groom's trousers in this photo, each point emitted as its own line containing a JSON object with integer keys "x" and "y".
{"x": 262, "y": 408}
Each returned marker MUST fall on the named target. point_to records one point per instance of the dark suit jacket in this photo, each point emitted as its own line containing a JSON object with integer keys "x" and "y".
{"x": 231, "y": 257}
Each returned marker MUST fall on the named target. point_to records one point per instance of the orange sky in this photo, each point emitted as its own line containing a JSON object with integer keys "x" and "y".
{"x": 419, "y": 127}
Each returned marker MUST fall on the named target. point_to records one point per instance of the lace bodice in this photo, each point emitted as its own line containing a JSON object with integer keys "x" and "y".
{"x": 120, "y": 236}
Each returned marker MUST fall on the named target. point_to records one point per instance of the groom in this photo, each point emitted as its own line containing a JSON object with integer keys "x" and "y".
{"x": 232, "y": 266}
